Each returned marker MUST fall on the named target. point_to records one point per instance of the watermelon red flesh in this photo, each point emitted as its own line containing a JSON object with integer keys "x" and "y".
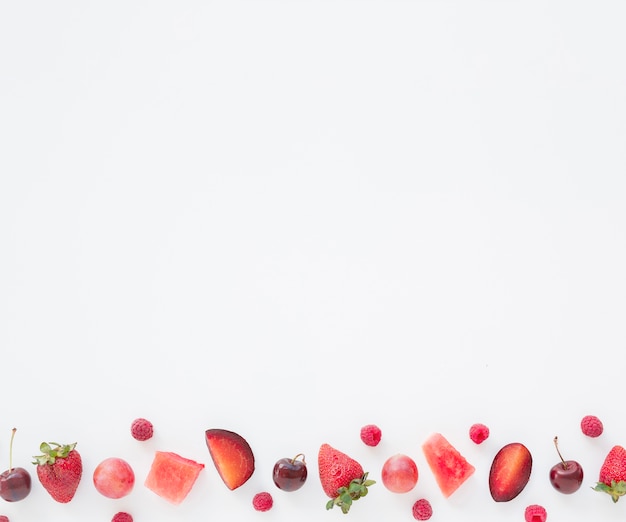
{"x": 172, "y": 476}
{"x": 449, "y": 467}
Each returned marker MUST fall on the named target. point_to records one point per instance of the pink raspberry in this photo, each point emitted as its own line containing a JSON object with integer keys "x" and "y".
{"x": 122, "y": 517}
{"x": 141, "y": 429}
{"x": 478, "y": 433}
{"x": 4, "y": 518}
{"x": 535, "y": 513}
{"x": 371, "y": 435}
{"x": 262, "y": 501}
{"x": 422, "y": 510}
{"x": 591, "y": 426}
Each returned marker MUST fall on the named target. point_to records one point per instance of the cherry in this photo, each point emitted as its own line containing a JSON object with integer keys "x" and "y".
{"x": 15, "y": 483}
{"x": 290, "y": 474}
{"x": 566, "y": 476}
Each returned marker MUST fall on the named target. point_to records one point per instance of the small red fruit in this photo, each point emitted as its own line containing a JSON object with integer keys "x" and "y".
{"x": 290, "y": 474}
{"x": 141, "y": 429}
{"x": 591, "y": 426}
{"x": 422, "y": 510}
{"x": 478, "y": 433}
{"x": 535, "y": 513}
{"x": 262, "y": 501}
{"x": 510, "y": 472}
{"x": 122, "y": 516}
{"x": 15, "y": 483}
{"x": 399, "y": 473}
{"x": 4, "y": 518}
{"x": 371, "y": 435}
{"x": 566, "y": 476}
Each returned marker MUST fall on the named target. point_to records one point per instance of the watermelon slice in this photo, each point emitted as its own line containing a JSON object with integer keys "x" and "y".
{"x": 447, "y": 464}
{"x": 172, "y": 476}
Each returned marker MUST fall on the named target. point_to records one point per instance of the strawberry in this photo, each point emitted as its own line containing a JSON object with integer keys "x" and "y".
{"x": 342, "y": 478}
{"x": 59, "y": 469}
{"x": 613, "y": 474}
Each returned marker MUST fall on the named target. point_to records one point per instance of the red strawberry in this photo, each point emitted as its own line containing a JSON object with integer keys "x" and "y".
{"x": 59, "y": 469}
{"x": 613, "y": 474}
{"x": 342, "y": 478}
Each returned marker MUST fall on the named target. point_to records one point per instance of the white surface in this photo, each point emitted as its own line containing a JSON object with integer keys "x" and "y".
{"x": 290, "y": 219}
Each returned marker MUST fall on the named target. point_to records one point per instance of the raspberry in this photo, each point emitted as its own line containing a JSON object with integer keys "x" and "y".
{"x": 591, "y": 426}
{"x": 263, "y": 501}
{"x": 535, "y": 513}
{"x": 4, "y": 518}
{"x": 141, "y": 429}
{"x": 122, "y": 517}
{"x": 478, "y": 433}
{"x": 422, "y": 510}
{"x": 371, "y": 435}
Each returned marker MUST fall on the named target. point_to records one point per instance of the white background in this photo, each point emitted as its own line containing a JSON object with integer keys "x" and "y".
{"x": 293, "y": 218}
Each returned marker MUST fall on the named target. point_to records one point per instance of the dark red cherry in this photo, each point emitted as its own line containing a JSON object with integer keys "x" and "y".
{"x": 15, "y": 483}
{"x": 290, "y": 474}
{"x": 566, "y": 476}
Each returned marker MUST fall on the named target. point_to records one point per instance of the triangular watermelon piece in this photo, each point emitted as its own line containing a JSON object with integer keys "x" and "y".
{"x": 172, "y": 476}
{"x": 450, "y": 468}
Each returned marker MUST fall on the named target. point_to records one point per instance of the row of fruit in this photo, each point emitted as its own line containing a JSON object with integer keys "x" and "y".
{"x": 59, "y": 469}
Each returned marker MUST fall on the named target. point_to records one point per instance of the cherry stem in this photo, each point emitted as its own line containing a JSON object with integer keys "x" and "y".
{"x": 556, "y": 445}
{"x": 293, "y": 460}
{"x": 11, "y": 450}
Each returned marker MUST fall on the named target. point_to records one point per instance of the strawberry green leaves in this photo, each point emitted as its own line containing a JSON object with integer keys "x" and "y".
{"x": 346, "y": 495}
{"x": 615, "y": 489}
{"x": 52, "y": 451}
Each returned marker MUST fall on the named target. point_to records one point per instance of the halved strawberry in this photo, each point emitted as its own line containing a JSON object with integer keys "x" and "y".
{"x": 232, "y": 456}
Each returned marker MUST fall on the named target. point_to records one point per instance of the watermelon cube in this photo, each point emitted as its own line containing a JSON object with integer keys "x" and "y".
{"x": 449, "y": 467}
{"x": 172, "y": 476}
